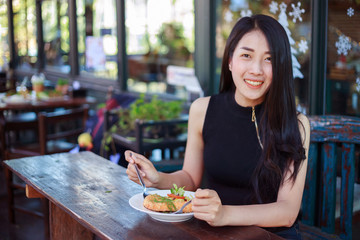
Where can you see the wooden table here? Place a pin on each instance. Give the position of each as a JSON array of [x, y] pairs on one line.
[[89, 198], [35, 106]]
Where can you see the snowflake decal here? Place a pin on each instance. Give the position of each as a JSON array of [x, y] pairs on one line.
[[303, 47], [358, 84], [297, 11], [228, 16], [343, 45], [350, 12], [246, 13], [274, 7], [283, 6]]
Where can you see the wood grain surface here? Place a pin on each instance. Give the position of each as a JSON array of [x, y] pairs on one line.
[[95, 192]]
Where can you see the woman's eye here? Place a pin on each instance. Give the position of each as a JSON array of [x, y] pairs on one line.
[[246, 55], [268, 59]]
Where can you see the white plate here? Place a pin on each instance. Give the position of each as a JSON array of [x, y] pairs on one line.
[[137, 200]]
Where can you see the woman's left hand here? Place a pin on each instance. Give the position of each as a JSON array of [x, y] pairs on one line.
[[207, 206]]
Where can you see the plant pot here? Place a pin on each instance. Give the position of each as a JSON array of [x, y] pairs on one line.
[[62, 88], [38, 87]]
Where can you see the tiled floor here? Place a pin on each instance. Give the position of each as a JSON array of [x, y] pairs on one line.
[[31, 228]]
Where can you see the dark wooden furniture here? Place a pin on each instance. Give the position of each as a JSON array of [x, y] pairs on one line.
[[23, 116], [89, 196], [37, 106], [57, 132], [3, 82], [331, 136], [167, 141]]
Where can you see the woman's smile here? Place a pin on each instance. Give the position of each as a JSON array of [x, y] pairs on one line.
[[254, 83]]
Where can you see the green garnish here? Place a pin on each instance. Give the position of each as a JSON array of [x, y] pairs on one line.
[[177, 191], [168, 201]]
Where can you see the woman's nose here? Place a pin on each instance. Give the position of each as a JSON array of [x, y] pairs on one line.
[[256, 68]]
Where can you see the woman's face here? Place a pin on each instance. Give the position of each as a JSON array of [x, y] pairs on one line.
[[251, 69]]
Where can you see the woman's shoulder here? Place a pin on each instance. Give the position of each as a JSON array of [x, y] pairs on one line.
[[199, 106], [304, 120], [304, 126]]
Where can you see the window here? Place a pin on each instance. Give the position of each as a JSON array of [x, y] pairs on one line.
[[343, 58], [25, 33], [97, 38], [159, 34], [56, 35], [295, 17], [4, 45]]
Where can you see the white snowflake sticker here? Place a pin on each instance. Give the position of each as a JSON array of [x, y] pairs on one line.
[[283, 6], [358, 84], [274, 7], [246, 13], [297, 11], [303, 47], [350, 12], [343, 45], [228, 16]]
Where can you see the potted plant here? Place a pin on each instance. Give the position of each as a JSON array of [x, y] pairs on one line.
[[62, 85], [142, 110], [37, 82]]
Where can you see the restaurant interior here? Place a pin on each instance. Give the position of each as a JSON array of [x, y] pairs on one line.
[[109, 75]]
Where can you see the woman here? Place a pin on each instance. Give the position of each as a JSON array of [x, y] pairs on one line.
[[248, 142]]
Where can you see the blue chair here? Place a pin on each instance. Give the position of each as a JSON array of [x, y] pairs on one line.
[[331, 136]]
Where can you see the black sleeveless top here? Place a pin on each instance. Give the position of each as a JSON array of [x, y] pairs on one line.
[[232, 152], [231, 149]]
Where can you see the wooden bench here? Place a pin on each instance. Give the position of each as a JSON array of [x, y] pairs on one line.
[[331, 136]]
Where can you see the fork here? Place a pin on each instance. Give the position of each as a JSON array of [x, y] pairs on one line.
[[145, 193], [182, 208]]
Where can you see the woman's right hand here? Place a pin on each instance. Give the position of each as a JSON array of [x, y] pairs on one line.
[[147, 170]]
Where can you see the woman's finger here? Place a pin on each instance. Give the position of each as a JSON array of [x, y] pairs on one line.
[[204, 193], [130, 171], [129, 156]]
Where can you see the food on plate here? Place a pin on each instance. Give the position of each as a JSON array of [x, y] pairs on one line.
[[17, 98], [170, 203]]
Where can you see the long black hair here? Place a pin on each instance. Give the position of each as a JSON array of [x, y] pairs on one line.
[[279, 126]]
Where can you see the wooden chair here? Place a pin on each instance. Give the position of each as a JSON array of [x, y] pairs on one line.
[[331, 136], [168, 144], [57, 132], [13, 129]]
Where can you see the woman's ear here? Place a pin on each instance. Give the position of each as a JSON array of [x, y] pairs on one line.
[[230, 65]]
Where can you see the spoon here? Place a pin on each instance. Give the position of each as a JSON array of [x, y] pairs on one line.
[[145, 193]]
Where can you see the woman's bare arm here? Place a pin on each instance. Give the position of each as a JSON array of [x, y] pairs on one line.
[[191, 174]]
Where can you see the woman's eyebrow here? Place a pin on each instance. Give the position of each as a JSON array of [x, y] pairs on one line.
[[252, 50], [248, 49]]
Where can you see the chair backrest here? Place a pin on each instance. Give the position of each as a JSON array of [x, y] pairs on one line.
[[61, 125], [331, 135], [13, 128], [166, 131]]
